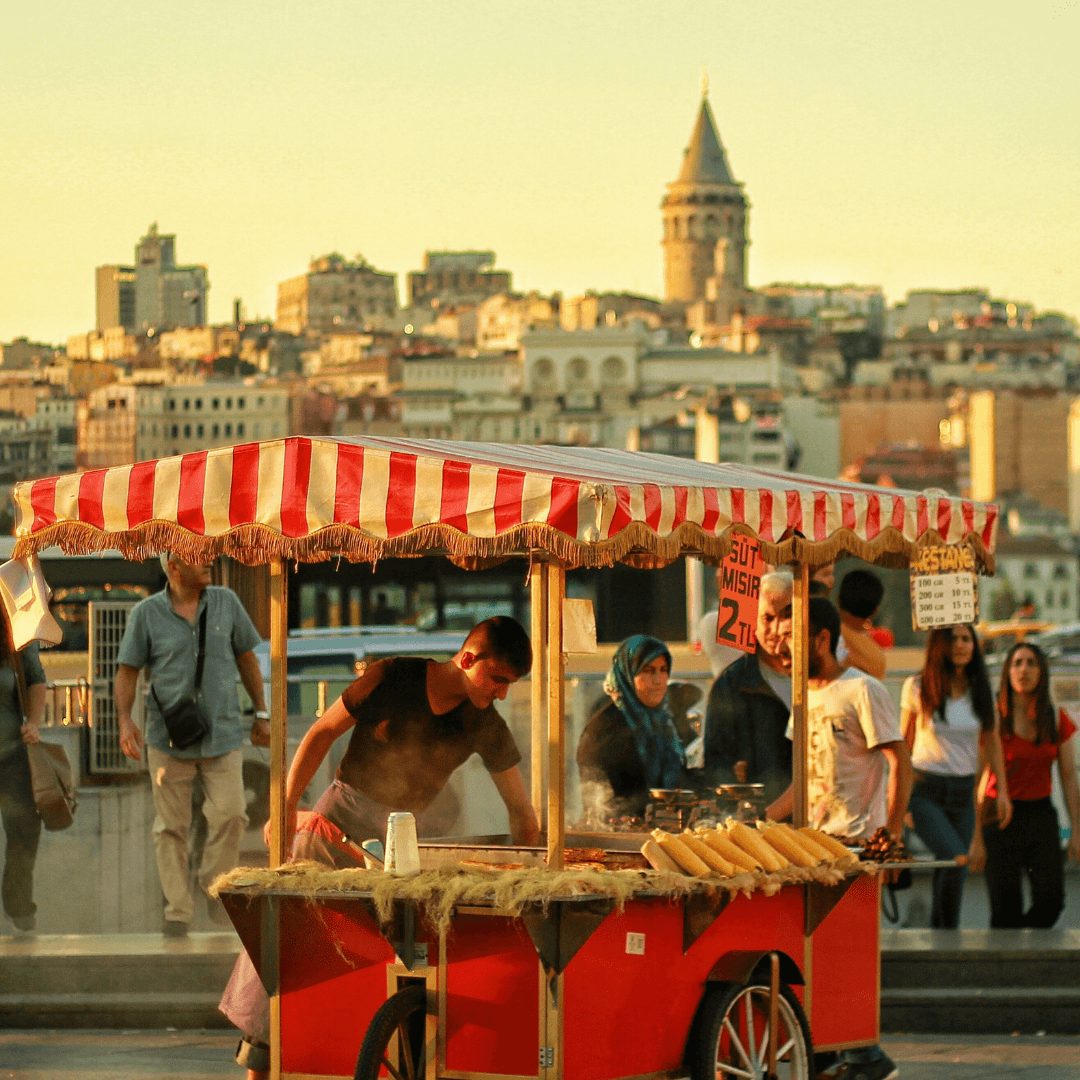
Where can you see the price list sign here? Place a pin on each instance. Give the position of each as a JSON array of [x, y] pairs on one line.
[[740, 586], [943, 587]]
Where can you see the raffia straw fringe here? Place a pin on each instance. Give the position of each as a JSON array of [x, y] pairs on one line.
[[636, 545], [439, 892]]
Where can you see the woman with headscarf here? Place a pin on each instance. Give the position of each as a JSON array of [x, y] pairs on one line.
[[630, 744]]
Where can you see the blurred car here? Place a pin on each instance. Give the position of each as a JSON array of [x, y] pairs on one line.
[[1060, 643]]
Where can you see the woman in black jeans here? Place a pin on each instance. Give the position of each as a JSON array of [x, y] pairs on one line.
[[1033, 735], [948, 718]]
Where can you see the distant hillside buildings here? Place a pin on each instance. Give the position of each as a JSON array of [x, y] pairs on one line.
[[155, 292], [337, 295]]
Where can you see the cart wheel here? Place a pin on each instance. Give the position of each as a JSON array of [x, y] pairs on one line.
[[401, 1057], [731, 1035]]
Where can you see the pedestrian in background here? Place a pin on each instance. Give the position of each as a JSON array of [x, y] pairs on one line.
[[1033, 735], [22, 825], [949, 722], [630, 744], [860, 596], [748, 708], [166, 633]]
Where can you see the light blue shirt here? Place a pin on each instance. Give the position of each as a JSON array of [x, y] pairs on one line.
[[166, 643]]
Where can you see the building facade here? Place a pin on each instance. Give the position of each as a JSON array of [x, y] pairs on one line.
[[453, 278], [337, 296], [106, 424], [184, 417], [1019, 442], [155, 293]]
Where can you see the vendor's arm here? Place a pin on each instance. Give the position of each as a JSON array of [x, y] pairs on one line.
[[309, 756], [910, 710], [124, 693], [783, 808], [1067, 769], [316, 744], [900, 782], [524, 828]]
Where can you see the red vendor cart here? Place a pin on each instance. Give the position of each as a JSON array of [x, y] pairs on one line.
[[582, 984]]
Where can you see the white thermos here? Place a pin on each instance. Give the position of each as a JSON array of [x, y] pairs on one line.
[[402, 852]]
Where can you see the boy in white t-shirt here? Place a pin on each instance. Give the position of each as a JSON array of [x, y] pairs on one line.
[[858, 770]]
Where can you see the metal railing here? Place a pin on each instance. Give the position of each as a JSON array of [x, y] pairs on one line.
[[67, 703]]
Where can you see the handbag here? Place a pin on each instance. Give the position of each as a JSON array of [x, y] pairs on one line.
[[51, 778], [53, 784], [186, 721]]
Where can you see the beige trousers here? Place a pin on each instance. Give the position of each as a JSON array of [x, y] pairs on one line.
[[224, 808]]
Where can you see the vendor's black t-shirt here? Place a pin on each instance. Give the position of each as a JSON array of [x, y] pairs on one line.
[[401, 754]]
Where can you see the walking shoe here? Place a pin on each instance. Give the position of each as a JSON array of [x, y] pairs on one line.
[[25, 924], [882, 1069], [174, 928]]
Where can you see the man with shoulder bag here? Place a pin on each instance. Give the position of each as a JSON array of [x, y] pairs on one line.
[[194, 639]]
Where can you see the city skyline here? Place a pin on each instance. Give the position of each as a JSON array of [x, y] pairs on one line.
[[909, 147]]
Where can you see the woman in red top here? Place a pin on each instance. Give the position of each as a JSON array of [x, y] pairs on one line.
[[1033, 734]]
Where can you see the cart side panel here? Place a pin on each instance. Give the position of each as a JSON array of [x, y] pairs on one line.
[[333, 978], [628, 1014], [846, 972], [490, 1004]]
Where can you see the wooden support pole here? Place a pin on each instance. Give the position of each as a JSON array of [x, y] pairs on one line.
[[800, 644], [538, 585], [278, 709], [278, 766], [556, 717]]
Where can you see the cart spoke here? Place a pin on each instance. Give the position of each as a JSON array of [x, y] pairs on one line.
[[737, 1043], [763, 1050], [748, 1008], [406, 1049], [724, 1069], [390, 1068], [783, 1051]]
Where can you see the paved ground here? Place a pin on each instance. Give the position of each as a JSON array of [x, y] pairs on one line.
[[188, 1055]]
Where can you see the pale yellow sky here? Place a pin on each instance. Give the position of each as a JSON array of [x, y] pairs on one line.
[[909, 144]]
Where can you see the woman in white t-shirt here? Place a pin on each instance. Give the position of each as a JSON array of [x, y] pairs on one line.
[[950, 725]]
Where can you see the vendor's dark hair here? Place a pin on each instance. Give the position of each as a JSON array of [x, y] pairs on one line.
[[503, 639], [1043, 713], [824, 616], [938, 670], [860, 593]]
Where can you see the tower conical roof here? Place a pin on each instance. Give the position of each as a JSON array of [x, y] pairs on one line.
[[704, 160]]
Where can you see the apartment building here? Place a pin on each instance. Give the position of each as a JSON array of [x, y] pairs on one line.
[[185, 417]]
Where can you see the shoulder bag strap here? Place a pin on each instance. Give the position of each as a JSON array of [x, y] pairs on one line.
[[20, 684], [201, 659]]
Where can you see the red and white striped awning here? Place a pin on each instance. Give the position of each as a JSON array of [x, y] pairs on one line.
[[371, 498]]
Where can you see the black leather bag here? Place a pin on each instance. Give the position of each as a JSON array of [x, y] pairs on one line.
[[186, 721]]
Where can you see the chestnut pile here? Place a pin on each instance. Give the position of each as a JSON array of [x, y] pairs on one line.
[[881, 847]]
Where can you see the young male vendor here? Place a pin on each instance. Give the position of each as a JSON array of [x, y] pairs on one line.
[[413, 721], [858, 777]]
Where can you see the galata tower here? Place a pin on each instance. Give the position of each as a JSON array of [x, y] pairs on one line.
[[704, 220]]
